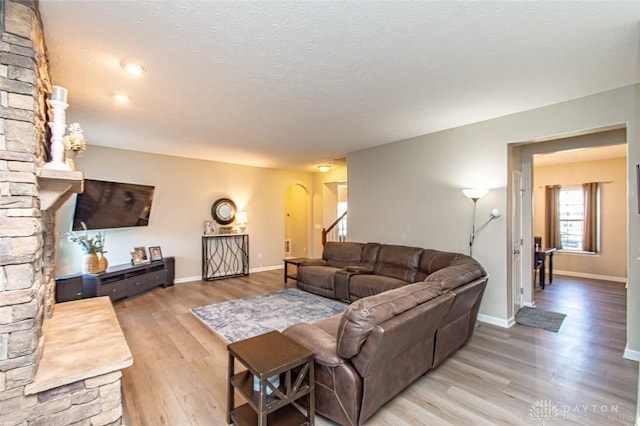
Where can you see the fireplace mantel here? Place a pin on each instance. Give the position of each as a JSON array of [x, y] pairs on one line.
[[56, 186], [82, 339]]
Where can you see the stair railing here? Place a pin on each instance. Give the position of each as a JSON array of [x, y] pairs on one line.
[[337, 231]]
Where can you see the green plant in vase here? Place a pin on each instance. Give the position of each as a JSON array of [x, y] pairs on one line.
[[94, 260]]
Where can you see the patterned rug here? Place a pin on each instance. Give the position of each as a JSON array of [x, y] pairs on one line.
[[539, 318], [243, 318]]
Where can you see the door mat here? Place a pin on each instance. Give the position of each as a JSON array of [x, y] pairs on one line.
[[243, 318], [538, 318]]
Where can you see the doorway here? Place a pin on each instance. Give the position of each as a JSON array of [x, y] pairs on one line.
[[522, 159], [296, 221]]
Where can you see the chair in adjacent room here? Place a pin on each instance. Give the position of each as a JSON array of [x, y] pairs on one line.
[[538, 259]]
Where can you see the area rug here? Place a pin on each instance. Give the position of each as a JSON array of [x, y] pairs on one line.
[[243, 318], [539, 318]]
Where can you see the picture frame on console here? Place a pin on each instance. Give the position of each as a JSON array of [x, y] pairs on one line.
[[209, 227], [139, 255], [155, 253]]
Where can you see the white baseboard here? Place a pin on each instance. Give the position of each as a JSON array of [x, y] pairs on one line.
[[631, 354], [266, 268], [199, 277], [590, 276], [187, 279], [496, 321]]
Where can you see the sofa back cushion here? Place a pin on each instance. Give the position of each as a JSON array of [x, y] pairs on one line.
[[365, 314], [341, 254], [449, 270], [370, 255], [434, 260], [399, 262], [456, 275]]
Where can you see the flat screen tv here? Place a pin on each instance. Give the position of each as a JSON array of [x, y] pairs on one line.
[[106, 205]]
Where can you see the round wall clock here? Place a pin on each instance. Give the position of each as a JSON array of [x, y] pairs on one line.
[[223, 211]]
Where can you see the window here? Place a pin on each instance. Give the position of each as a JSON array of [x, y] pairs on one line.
[[578, 218], [571, 215]]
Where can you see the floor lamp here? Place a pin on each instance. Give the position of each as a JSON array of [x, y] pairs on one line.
[[475, 194]]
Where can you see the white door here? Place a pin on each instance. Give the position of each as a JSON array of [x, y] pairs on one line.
[[516, 246]]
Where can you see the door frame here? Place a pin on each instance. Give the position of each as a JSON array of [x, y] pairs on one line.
[[520, 157]]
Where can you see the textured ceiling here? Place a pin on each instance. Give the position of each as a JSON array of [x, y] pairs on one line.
[[291, 84]]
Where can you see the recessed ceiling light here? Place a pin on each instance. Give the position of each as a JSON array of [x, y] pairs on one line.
[[121, 98], [132, 68]]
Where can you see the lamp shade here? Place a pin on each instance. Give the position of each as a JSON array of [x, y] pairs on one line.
[[242, 218], [475, 193]]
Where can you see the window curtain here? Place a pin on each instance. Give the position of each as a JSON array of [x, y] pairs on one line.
[[552, 220], [590, 191]]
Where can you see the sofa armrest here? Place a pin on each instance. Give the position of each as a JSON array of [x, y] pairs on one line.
[[314, 262], [317, 340]]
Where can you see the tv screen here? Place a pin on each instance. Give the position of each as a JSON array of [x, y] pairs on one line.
[[105, 205]]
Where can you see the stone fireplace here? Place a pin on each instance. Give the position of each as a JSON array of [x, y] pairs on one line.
[[31, 392]]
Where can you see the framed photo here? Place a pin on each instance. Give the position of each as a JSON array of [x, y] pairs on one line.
[[209, 227], [139, 255], [155, 253], [136, 259]]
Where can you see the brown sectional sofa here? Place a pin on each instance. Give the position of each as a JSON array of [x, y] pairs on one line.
[[410, 309]]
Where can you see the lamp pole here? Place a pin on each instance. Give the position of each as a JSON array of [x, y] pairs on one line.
[[473, 226]]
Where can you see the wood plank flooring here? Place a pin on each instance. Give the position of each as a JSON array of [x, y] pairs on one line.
[[513, 376]]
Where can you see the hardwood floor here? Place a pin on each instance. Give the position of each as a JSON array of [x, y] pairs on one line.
[[513, 376]]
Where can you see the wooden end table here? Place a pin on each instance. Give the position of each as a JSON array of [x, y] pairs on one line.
[[264, 356], [292, 261]]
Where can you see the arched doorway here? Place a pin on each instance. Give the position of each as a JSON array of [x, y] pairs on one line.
[[296, 221]]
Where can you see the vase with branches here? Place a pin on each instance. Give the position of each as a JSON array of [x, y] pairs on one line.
[[93, 248]]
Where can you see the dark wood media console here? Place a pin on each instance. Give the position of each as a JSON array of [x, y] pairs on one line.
[[118, 282]]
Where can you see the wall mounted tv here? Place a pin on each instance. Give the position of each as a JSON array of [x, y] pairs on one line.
[[105, 205]]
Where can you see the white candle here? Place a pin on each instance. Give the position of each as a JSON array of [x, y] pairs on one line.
[[59, 94]]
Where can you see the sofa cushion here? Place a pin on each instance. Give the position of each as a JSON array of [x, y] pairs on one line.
[[341, 254], [434, 260], [457, 275], [399, 262], [368, 285], [317, 276], [365, 314], [370, 255]]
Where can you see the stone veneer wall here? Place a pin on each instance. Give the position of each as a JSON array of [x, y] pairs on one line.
[[27, 240]]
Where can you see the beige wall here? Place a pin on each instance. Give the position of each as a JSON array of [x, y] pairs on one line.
[[185, 189], [611, 262], [297, 220], [418, 200]]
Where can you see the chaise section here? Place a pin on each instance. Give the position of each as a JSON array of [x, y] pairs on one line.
[[338, 387], [465, 279], [317, 275], [317, 280], [369, 354]]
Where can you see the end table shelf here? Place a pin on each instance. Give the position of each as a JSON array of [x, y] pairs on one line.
[[264, 356]]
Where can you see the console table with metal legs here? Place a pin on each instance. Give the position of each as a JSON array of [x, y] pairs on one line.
[[224, 256]]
